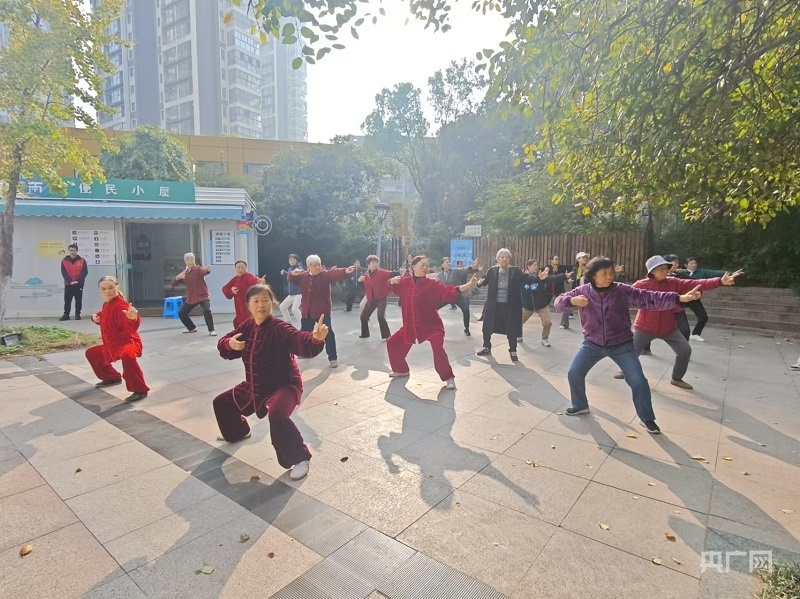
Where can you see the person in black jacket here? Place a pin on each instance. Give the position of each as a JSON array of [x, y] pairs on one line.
[[73, 271], [555, 287], [536, 299], [354, 287], [503, 310]]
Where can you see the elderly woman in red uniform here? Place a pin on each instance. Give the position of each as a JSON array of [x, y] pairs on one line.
[[273, 386], [421, 297], [236, 289], [118, 322], [375, 294]]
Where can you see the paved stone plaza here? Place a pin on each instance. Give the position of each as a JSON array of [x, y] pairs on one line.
[[414, 491]]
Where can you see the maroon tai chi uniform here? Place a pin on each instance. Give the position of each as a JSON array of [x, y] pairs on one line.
[[273, 385], [420, 298]]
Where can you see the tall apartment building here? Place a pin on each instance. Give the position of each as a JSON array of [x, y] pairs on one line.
[[190, 72]]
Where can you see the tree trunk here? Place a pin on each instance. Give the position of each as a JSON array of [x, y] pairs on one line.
[[7, 245]]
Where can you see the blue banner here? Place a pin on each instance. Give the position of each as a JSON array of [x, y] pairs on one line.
[[461, 249]]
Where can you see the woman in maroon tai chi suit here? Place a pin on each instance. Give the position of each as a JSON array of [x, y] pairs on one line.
[[421, 297], [273, 386]]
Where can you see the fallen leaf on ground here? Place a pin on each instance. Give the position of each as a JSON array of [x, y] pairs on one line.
[[206, 569], [244, 537], [762, 445], [788, 511], [255, 477], [271, 554], [698, 458], [77, 470], [552, 447], [496, 544], [727, 458], [670, 536], [604, 526], [336, 403], [532, 464], [656, 560], [25, 550], [458, 503], [636, 497], [745, 474], [677, 561], [631, 436], [742, 347], [493, 438], [559, 413], [677, 511], [344, 459], [651, 484]]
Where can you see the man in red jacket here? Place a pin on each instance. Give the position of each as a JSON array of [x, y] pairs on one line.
[[652, 324], [376, 291], [315, 284], [74, 271]]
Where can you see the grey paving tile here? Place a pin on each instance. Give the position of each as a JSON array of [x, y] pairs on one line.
[[327, 531], [17, 475], [424, 578], [100, 468], [115, 510], [120, 588], [30, 514], [573, 566], [68, 562], [240, 569], [373, 556], [153, 540]]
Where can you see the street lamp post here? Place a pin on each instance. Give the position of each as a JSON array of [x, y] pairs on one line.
[[382, 208]]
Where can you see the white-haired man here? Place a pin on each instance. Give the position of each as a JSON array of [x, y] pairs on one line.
[[194, 277], [315, 284]]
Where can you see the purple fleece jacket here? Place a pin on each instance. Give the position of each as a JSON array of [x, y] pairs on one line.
[[606, 320]]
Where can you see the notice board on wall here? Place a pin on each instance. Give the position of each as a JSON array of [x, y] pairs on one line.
[[222, 246], [96, 246]]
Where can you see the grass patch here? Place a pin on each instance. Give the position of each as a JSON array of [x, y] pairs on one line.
[[782, 581], [45, 340]]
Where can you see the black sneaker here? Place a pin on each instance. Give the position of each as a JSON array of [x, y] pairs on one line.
[[651, 427], [485, 352], [467, 333], [108, 383], [77, 317], [576, 412], [136, 397], [514, 357], [63, 318]]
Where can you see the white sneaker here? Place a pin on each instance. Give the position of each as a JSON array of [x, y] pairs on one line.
[[545, 342], [299, 470], [212, 333], [398, 375], [561, 326], [697, 338], [795, 366], [451, 384], [334, 364]]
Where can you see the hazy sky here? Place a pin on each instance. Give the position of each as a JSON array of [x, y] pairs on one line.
[[343, 85]]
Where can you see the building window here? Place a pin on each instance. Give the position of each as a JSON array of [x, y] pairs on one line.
[[176, 12], [178, 90], [178, 31], [254, 170]]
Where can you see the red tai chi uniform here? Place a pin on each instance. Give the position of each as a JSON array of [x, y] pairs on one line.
[[120, 342], [243, 283], [273, 386], [420, 299]]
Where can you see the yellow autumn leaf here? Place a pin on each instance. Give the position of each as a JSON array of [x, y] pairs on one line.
[[677, 561], [604, 526], [656, 560], [670, 536], [698, 457], [727, 458], [668, 67], [255, 477], [227, 18], [788, 511], [25, 550]]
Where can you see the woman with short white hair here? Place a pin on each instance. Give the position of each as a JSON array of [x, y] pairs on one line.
[[503, 310], [194, 277]]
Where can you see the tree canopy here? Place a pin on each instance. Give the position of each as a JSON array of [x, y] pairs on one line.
[[645, 102], [148, 154], [54, 56]]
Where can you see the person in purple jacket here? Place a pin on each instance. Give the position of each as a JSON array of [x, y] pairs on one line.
[[604, 307]]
